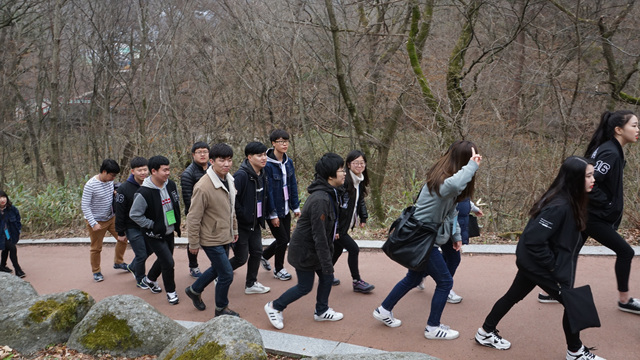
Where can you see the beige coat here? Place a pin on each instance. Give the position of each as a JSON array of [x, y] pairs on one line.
[[212, 217]]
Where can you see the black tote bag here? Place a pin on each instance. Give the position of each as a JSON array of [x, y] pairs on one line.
[[410, 242], [580, 307], [474, 229]]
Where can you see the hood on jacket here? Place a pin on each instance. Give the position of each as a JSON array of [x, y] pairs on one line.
[[320, 184], [246, 166], [132, 180], [148, 183], [271, 157]]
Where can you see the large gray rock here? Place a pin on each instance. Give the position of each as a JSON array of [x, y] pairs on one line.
[[385, 356], [124, 325], [223, 337], [31, 324], [14, 289]]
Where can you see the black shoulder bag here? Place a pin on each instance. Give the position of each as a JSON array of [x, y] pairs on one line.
[[410, 241]]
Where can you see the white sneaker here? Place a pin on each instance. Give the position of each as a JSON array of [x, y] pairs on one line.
[[388, 320], [275, 316], [491, 339], [329, 315], [583, 354], [453, 298], [257, 288], [173, 298], [442, 332], [282, 275]]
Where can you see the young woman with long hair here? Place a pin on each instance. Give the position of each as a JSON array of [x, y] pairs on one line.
[[352, 208], [10, 228], [547, 252], [450, 180], [616, 129]]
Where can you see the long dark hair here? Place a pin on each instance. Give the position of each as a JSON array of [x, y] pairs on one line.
[[569, 182], [457, 156], [4, 194], [609, 121], [352, 155]]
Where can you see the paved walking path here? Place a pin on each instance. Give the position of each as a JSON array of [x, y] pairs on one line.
[[485, 273]]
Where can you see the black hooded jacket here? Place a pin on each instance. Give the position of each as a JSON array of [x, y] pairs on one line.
[[252, 190], [311, 246], [549, 245], [606, 200]]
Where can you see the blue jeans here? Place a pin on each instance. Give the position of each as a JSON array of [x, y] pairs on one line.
[[221, 269], [451, 257], [304, 286], [141, 251], [437, 269]]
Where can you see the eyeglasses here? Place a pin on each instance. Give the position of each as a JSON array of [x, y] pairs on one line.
[[358, 163], [282, 142], [201, 152], [342, 170]]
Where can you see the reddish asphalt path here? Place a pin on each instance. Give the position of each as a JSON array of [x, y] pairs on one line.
[[534, 329]]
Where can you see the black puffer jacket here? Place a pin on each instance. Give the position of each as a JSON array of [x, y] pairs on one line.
[[311, 246], [189, 178], [549, 245], [606, 200]]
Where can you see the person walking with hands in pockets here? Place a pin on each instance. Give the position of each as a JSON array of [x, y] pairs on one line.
[[450, 179]]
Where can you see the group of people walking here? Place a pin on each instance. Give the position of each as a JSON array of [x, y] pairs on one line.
[[224, 213], [227, 212]]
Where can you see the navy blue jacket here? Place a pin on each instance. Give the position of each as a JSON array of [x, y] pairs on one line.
[[276, 184], [10, 218], [123, 201]]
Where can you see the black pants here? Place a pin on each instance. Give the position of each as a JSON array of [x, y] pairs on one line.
[[279, 247], [163, 248], [521, 287], [193, 259], [248, 249], [10, 251], [345, 241], [607, 235]]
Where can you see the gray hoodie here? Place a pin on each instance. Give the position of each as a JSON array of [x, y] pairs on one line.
[[139, 207]]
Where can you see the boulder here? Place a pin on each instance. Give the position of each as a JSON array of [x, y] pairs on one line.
[[384, 356], [124, 326], [14, 289], [32, 324], [223, 337]]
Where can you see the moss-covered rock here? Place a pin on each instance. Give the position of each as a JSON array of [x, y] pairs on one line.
[[33, 323], [223, 337], [124, 325]]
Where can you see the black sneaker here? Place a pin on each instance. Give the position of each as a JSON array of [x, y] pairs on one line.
[[20, 273], [226, 311], [151, 285], [121, 266], [633, 306], [97, 277], [5, 269], [546, 299], [335, 282], [195, 298]]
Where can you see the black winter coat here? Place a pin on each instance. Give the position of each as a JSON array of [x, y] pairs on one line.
[[247, 197], [549, 245], [311, 245], [189, 178], [606, 200]]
